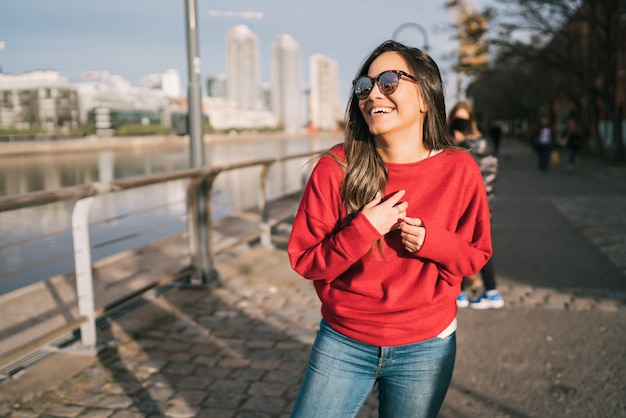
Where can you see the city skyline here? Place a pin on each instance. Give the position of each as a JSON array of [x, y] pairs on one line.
[[135, 39], [286, 97]]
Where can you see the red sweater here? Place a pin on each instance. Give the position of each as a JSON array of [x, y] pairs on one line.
[[392, 297]]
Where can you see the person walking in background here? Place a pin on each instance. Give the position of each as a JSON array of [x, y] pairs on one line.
[[573, 141], [464, 130], [388, 224], [495, 131], [543, 144]]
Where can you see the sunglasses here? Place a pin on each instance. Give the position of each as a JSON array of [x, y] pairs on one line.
[[387, 83]]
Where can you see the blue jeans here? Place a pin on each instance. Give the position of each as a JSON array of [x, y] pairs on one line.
[[571, 155], [412, 379]]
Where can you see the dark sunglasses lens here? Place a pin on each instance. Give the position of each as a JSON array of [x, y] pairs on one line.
[[363, 87], [388, 82]]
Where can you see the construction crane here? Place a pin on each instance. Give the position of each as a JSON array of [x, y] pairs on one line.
[[470, 26]]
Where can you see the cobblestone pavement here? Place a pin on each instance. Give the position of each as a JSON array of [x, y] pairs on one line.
[[239, 350], [236, 351]]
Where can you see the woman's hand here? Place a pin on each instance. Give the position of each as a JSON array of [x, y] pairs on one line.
[[385, 216], [413, 234]]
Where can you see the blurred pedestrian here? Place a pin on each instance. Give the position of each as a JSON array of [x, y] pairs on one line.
[[495, 132], [543, 144], [465, 132], [389, 223], [573, 141]]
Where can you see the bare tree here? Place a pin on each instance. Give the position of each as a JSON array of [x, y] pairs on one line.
[[571, 49]]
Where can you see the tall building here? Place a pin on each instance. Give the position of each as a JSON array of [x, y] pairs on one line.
[[242, 67], [286, 89], [324, 109]]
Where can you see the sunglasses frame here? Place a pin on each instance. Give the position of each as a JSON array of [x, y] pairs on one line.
[[376, 81]]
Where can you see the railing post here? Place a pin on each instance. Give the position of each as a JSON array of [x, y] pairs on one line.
[[84, 276], [199, 227], [266, 230]]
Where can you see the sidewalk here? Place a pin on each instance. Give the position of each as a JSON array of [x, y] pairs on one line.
[[556, 349]]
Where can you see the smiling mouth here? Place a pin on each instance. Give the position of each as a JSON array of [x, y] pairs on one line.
[[380, 111]]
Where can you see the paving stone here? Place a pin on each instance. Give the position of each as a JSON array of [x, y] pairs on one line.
[[87, 399], [97, 413], [266, 389], [230, 363], [253, 414], [152, 365], [228, 386], [160, 393], [188, 397], [224, 400], [22, 414], [195, 382], [536, 299], [149, 407], [609, 305], [181, 411], [216, 413], [216, 373], [123, 388], [246, 375], [271, 405], [66, 411], [583, 304], [265, 364], [257, 343], [127, 414], [147, 343], [179, 368], [114, 402]]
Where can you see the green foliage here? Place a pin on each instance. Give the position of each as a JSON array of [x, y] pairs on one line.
[[262, 129], [12, 132], [138, 129], [30, 134]]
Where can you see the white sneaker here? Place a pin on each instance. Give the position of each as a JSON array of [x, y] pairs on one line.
[[491, 299], [462, 301]]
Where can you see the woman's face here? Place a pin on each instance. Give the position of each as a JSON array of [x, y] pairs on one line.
[[402, 111], [461, 114]]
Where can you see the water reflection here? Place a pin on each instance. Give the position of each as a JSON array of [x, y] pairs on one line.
[[130, 218]]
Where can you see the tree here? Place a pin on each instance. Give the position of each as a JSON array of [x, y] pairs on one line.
[[568, 49]]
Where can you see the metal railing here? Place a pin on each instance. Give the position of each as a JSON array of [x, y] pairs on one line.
[[199, 227]]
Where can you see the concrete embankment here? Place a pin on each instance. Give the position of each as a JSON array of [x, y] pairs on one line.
[[94, 143]]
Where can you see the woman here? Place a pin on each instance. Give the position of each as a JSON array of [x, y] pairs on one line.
[[389, 223], [465, 132]]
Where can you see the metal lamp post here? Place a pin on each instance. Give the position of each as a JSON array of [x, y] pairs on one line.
[[417, 26], [198, 204]]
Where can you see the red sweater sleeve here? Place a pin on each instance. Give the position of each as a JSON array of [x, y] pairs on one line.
[[316, 250]]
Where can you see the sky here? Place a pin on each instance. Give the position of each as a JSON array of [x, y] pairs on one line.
[[133, 38]]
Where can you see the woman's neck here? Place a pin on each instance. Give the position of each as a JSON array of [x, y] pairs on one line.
[[402, 152]]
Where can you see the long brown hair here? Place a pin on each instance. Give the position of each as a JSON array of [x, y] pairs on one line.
[[366, 173]]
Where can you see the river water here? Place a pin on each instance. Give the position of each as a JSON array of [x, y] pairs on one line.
[[36, 242]]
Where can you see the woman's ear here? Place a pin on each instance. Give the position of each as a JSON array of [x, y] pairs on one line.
[[423, 105]]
